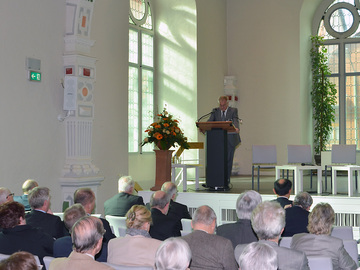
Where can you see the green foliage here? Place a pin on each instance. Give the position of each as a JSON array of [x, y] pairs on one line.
[[323, 94]]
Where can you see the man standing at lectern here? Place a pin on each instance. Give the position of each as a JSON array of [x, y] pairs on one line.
[[226, 113]]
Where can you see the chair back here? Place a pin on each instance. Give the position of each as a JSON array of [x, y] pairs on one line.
[[4, 256], [299, 154], [126, 267], [118, 225], [351, 248], [320, 263], [343, 153], [264, 154], [285, 242], [47, 260], [59, 214], [186, 226], [343, 232]]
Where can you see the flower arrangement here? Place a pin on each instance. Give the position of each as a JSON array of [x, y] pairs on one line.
[[165, 133]]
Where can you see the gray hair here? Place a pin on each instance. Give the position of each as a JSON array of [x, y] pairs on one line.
[[204, 214], [38, 196], [173, 253], [86, 233], [4, 193], [258, 256], [125, 183], [159, 201], [170, 188], [268, 219], [303, 199], [73, 214], [246, 203]]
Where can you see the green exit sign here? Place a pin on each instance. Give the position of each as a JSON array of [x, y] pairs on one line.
[[34, 76]]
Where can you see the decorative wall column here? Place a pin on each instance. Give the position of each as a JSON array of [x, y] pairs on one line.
[[79, 81]]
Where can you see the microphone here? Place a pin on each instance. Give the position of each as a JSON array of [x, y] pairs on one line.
[[215, 109]]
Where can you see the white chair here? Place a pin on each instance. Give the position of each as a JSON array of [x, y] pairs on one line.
[[117, 224], [299, 160], [351, 248], [3, 256], [47, 260], [319, 263], [343, 232], [263, 156], [186, 225], [285, 242], [126, 267], [59, 214]]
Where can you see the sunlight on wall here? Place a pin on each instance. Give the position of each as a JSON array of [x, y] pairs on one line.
[[166, 33]]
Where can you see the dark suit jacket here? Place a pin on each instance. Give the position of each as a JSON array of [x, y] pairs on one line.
[[163, 226], [23, 199], [231, 115], [48, 223], [108, 234], [210, 251], [63, 248], [121, 203], [26, 238], [178, 211], [239, 232], [283, 201], [296, 221]]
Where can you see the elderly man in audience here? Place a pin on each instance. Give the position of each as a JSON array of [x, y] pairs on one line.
[[137, 248], [86, 197], [268, 222], [27, 186], [18, 236], [122, 202], [209, 251], [319, 242], [296, 217], [241, 231], [258, 256], [87, 235], [6, 195], [21, 260], [163, 226], [39, 199], [176, 210], [282, 189], [173, 253]]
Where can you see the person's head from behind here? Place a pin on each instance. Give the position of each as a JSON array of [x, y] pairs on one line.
[[321, 219], [126, 184], [204, 218], [28, 185], [21, 260], [11, 215], [87, 234], [258, 256], [282, 187], [86, 197], [173, 254], [170, 188], [39, 198], [138, 217], [268, 220], [160, 200], [304, 200], [246, 203], [6, 195], [73, 214]]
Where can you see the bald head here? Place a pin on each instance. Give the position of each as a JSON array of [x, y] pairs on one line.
[[204, 218], [170, 188], [29, 185], [6, 195], [160, 200]]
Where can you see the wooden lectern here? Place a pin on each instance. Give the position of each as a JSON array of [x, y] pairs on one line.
[[216, 152]]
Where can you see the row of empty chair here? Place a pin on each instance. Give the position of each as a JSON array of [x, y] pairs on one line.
[[300, 159]]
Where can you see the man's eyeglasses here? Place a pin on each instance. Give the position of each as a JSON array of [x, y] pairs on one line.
[[11, 194]]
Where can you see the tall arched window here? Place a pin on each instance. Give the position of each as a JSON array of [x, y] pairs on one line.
[[338, 22], [141, 73]]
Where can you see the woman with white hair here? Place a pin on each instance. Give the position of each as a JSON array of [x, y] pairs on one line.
[[173, 254]]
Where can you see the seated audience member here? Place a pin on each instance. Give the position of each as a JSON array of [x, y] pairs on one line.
[[282, 189], [21, 260], [18, 236], [209, 251], [87, 235], [39, 199], [173, 253], [296, 217], [86, 197], [268, 222], [258, 256], [162, 226], [63, 246], [27, 186], [137, 248], [6, 195], [176, 210], [241, 231], [122, 202], [319, 242]]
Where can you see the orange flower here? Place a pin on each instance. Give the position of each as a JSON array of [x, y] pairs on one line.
[[166, 124], [165, 118], [159, 136], [157, 126], [176, 121]]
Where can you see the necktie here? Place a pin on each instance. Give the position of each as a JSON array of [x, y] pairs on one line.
[[223, 116]]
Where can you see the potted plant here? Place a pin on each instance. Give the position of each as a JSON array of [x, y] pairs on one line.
[[323, 95]]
